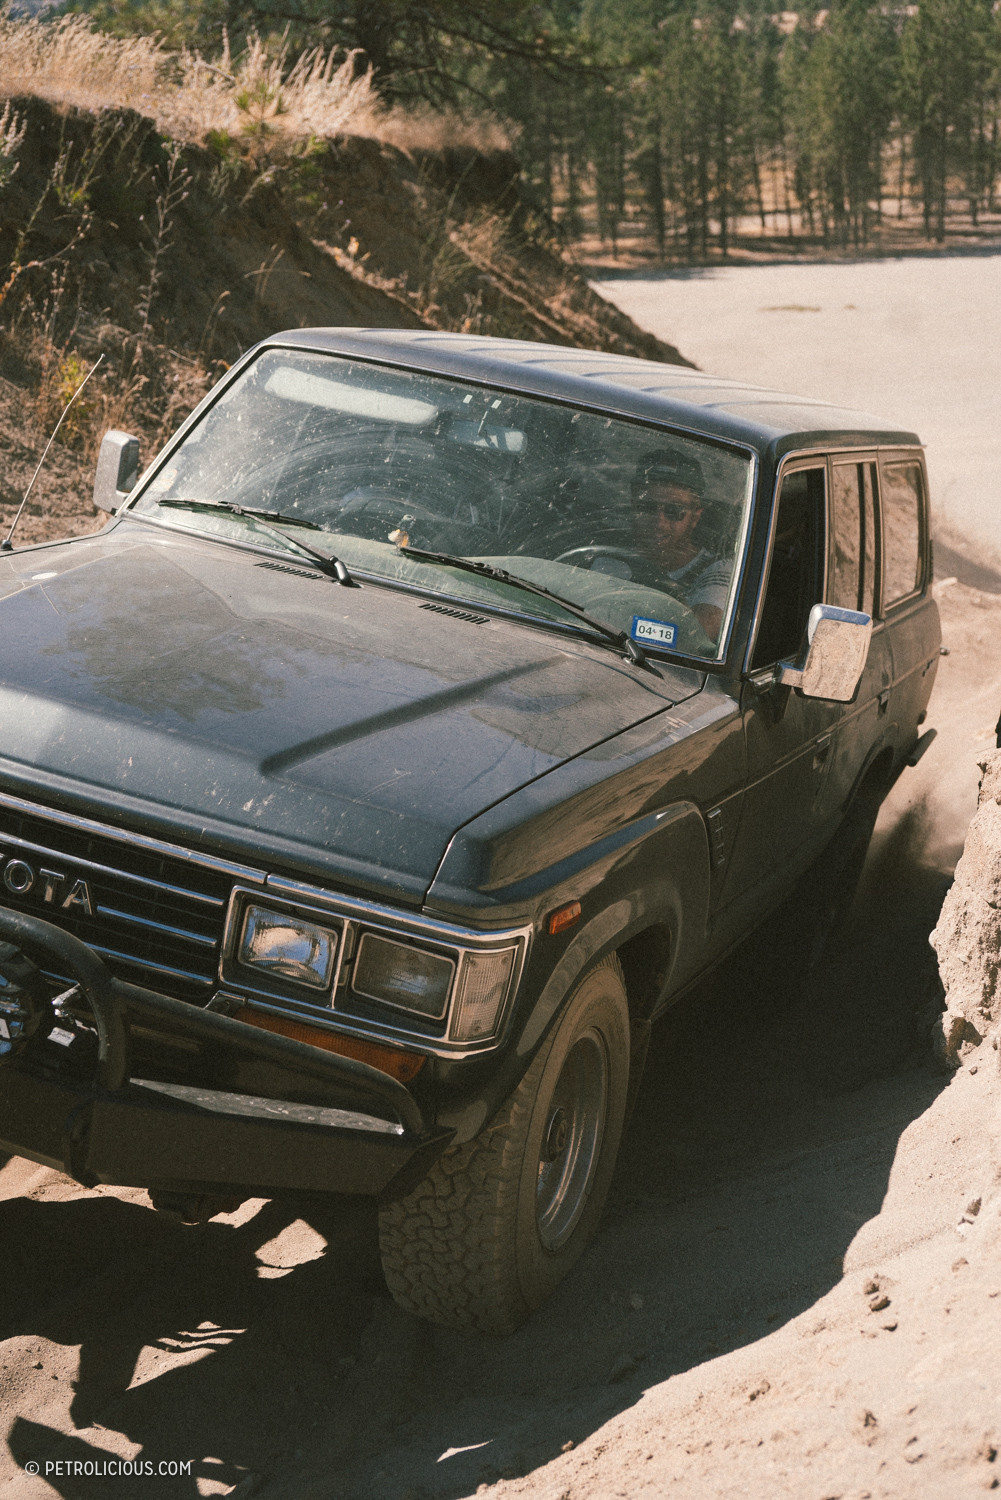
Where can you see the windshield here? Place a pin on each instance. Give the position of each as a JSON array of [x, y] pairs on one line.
[[640, 526]]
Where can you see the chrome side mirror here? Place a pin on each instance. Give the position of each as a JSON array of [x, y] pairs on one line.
[[117, 470], [831, 667]]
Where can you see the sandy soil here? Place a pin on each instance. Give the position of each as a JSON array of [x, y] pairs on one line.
[[916, 339]]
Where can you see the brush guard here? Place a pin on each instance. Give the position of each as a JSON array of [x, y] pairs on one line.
[[158, 1094]]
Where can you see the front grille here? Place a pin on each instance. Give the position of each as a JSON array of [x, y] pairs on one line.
[[154, 913]]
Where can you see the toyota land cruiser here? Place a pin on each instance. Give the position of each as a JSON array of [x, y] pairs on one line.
[[432, 713]]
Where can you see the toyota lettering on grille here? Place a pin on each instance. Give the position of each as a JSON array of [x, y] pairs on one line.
[[50, 886]]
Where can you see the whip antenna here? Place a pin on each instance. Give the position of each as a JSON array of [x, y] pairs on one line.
[[5, 545]]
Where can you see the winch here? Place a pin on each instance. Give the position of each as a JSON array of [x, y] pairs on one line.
[[24, 1005]]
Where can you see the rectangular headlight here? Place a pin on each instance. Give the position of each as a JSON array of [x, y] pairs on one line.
[[286, 947], [397, 974], [483, 989]]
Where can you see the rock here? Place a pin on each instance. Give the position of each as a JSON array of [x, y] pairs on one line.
[[967, 937], [870, 1428], [950, 1034]]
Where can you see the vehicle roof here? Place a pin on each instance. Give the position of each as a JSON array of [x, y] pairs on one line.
[[685, 397]]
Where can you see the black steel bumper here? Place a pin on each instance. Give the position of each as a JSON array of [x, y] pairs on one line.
[[186, 1100]]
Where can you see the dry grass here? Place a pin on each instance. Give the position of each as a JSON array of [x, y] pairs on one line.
[[421, 129], [262, 95], [258, 95]]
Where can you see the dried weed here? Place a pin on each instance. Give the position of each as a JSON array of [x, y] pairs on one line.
[[260, 95]]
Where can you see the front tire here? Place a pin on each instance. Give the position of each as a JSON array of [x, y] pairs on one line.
[[498, 1222]]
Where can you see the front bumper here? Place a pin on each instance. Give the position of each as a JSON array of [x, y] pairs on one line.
[[186, 1100]]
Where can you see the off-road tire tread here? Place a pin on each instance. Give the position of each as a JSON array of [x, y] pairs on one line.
[[442, 1255]]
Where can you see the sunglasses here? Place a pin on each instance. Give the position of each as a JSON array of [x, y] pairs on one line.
[[671, 510]]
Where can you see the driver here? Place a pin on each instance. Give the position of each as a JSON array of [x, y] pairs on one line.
[[667, 507]]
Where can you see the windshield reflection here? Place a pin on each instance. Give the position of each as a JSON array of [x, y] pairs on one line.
[[641, 527]]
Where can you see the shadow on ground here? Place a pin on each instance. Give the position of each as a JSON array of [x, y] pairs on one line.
[[762, 1141]]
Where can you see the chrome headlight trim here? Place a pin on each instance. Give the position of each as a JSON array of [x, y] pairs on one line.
[[355, 918], [265, 927], [255, 979]]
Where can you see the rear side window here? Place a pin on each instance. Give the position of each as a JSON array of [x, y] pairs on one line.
[[853, 540], [869, 492], [901, 497]]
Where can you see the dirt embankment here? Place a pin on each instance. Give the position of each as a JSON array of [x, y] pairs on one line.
[[968, 936], [172, 260]]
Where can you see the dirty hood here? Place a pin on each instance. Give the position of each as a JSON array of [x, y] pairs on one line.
[[188, 688]]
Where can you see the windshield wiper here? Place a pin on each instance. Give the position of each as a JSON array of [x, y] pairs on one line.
[[617, 638], [232, 509], [329, 564]]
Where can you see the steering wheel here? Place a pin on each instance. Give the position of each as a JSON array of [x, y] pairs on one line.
[[588, 556]]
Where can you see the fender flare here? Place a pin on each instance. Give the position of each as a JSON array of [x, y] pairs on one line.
[[676, 903]]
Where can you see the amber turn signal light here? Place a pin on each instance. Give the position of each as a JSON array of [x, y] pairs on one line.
[[403, 1066], [563, 917]]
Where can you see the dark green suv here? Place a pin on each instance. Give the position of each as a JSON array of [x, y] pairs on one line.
[[431, 713]]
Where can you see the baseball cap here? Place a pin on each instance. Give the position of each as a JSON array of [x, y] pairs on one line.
[[668, 466]]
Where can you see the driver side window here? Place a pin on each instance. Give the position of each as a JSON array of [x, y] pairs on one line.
[[796, 574]]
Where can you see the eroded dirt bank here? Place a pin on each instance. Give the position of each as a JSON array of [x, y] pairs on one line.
[[789, 1151]]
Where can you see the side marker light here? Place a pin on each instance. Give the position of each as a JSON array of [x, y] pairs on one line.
[[563, 917]]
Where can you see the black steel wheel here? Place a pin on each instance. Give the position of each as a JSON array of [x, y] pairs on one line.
[[498, 1222], [572, 1140]]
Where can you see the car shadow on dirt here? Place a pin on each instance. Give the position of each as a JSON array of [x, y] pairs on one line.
[[762, 1141]]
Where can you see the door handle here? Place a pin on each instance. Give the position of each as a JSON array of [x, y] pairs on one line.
[[821, 750], [883, 699]]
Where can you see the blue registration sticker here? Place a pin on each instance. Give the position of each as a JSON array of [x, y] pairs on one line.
[[653, 632]]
